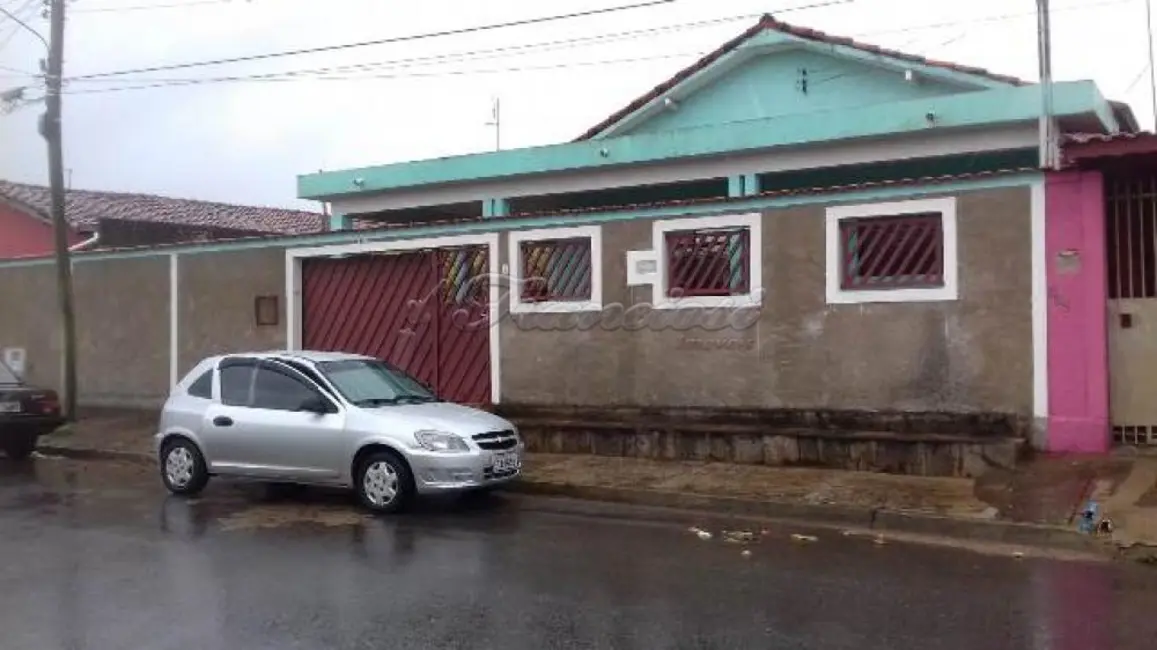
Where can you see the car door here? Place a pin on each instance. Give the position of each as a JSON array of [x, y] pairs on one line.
[[230, 435], [299, 442]]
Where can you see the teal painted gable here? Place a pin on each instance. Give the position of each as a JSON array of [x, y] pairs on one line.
[[790, 82]]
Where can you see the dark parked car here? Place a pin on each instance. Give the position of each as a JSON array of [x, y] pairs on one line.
[[26, 413]]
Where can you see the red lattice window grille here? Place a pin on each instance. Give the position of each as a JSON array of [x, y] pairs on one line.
[[899, 252], [556, 270], [708, 262]]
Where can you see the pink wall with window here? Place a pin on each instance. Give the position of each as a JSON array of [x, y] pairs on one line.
[[1078, 360]]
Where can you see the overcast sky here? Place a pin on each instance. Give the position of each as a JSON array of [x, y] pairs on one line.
[[245, 141]]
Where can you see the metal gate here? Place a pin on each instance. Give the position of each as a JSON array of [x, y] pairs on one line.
[[1131, 243], [426, 312]]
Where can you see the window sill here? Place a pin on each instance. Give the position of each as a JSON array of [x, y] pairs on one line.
[[861, 296], [554, 307], [743, 301]]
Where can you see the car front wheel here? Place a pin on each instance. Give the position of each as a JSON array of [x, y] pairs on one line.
[[384, 482], [183, 468]]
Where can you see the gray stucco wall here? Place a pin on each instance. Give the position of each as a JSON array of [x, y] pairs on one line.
[[973, 354]]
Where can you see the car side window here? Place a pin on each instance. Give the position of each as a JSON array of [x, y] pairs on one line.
[[203, 387], [275, 390], [236, 380]]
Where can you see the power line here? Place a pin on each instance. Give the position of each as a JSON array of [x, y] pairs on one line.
[[23, 24], [382, 41], [451, 57], [364, 77], [992, 18], [171, 5], [25, 11]]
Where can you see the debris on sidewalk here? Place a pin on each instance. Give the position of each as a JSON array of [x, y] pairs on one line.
[[796, 537], [879, 540], [738, 536], [702, 534], [746, 553]]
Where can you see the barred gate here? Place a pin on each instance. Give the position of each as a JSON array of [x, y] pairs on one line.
[[426, 312], [1131, 243]]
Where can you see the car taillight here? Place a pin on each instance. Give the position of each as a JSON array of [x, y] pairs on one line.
[[47, 404]]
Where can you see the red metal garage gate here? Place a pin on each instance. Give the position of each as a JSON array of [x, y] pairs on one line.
[[426, 312]]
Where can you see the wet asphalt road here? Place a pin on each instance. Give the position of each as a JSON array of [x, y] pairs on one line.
[[96, 557]]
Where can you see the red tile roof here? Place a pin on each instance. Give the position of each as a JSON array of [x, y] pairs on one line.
[[85, 209], [768, 22]]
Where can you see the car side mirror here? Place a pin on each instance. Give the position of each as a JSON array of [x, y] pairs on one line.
[[316, 404]]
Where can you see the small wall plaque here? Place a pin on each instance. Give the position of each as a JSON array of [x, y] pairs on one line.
[[1069, 261], [642, 267], [266, 311]]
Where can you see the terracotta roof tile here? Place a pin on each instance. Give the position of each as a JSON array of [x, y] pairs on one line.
[[768, 22], [85, 208]]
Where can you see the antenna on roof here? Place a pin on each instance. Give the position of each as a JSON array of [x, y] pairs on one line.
[[496, 122]]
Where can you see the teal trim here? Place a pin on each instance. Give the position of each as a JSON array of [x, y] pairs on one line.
[[341, 222], [751, 185], [495, 208], [973, 109], [735, 185], [768, 203], [959, 77]]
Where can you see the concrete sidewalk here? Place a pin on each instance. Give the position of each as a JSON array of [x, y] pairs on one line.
[[1039, 503]]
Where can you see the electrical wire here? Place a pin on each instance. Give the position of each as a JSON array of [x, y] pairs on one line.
[[171, 5], [382, 41], [24, 25], [25, 13], [451, 57], [409, 75]]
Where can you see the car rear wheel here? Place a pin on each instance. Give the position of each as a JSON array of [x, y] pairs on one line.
[[183, 468], [384, 482], [19, 447]]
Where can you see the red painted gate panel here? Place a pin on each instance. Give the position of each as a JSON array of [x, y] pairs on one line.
[[426, 312]]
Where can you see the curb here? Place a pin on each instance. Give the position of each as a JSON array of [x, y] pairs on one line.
[[82, 453], [877, 519]]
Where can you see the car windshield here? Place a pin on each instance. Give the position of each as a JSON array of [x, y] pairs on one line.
[[6, 375], [369, 382]]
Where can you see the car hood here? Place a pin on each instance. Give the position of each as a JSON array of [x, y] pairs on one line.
[[443, 416]]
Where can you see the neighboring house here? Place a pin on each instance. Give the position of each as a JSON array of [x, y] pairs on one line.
[[118, 219], [797, 229], [1102, 291]]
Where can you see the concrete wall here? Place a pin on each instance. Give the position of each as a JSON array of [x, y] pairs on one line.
[[123, 324], [217, 293], [973, 354]]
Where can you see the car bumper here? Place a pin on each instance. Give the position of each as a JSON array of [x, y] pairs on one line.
[[30, 426], [441, 473]]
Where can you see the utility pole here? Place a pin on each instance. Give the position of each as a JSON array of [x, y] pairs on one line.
[[1048, 140], [53, 133], [1152, 72]]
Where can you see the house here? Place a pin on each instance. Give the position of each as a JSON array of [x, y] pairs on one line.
[[1102, 291], [117, 220], [800, 249]]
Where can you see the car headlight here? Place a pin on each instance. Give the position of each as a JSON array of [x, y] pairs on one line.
[[441, 441]]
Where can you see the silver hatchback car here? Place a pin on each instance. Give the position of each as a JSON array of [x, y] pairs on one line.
[[323, 418]]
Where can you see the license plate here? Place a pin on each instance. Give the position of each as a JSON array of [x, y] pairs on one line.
[[10, 407], [506, 462]]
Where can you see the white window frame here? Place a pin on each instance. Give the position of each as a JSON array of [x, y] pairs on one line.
[[753, 221], [515, 241], [944, 206]]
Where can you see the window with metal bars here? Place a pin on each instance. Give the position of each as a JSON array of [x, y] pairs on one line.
[[900, 252], [556, 270], [714, 262]]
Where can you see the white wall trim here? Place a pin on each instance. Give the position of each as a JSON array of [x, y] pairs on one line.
[[753, 221], [293, 257], [812, 156], [1040, 321], [174, 319], [946, 206], [515, 239]]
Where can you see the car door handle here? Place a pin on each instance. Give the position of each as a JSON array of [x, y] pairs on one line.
[[222, 421]]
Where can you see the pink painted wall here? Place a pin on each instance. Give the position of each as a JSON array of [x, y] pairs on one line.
[[1078, 358], [22, 235]]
